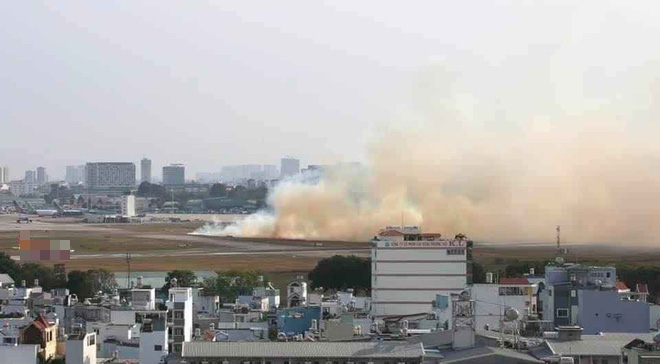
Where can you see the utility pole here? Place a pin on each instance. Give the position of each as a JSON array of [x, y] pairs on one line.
[[559, 252], [128, 277]]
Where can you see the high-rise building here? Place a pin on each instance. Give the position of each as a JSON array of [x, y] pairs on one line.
[[270, 171], [409, 268], [289, 167], [174, 175], [110, 176], [145, 170], [30, 177], [180, 304], [4, 174], [75, 174], [41, 175]]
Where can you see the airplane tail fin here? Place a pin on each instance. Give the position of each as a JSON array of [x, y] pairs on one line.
[[19, 209]]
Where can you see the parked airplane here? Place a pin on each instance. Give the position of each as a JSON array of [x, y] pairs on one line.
[[38, 212], [67, 212], [22, 216]]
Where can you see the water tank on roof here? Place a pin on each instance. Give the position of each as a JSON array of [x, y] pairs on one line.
[[511, 314]]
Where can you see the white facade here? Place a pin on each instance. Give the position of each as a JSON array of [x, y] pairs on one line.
[[654, 317], [153, 343], [493, 299], [409, 268], [81, 349], [296, 294], [180, 303], [4, 174], [270, 292], [128, 205], [143, 298], [19, 354]]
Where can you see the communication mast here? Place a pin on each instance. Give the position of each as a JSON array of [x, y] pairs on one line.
[[128, 277]]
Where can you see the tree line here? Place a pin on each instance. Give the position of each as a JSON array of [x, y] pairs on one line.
[[84, 284]]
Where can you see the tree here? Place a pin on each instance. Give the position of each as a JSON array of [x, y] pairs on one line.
[[184, 278], [218, 190], [233, 283], [80, 283], [518, 269], [102, 280], [478, 273], [341, 272], [9, 266], [47, 277]]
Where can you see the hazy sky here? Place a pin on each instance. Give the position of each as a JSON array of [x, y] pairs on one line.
[[212, 84]]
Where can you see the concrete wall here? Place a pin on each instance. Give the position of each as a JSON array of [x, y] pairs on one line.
[[654, 319], [490, 305], [20, 354], [603, 311], [148, 342]]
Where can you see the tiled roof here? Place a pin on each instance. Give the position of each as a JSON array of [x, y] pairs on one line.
[[390, 233], [301, 349], [621, 286], [485, 354], [514, 280], [41, 323]]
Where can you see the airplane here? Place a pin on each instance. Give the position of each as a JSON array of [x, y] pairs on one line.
[[39, 212], [67, 212], [22, 216], [44, 212]]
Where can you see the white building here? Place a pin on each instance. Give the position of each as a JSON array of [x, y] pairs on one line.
[[296, 295], [408, 269], [493, 299], [180, 315], [271, 292], [128, 205], [153, 341], [143, 298], [4, 174], [204, 302], [81, 348]]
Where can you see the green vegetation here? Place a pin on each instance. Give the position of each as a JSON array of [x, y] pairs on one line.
[[84, 284], [184, 278], [342, 272], [233, 283], [650, 275]]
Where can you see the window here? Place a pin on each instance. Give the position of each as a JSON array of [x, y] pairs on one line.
[[91, 340], [177, 348], [178, 314], [573, 293], [178, 332], [455, 251], [511, 291], [562, 313], [608, 276], [158, 347], [550, 292]]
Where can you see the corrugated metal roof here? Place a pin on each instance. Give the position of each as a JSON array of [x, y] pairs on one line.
[[302, 349], [479, 353], [608, 344]]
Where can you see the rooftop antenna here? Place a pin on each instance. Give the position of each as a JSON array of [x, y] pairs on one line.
[[128, 277]]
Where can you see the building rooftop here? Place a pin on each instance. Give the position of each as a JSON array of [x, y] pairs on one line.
[[607, 344], [6, 279], [481, 354], [514, 280], [301, 349]]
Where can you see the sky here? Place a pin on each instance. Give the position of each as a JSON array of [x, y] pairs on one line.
[[218, 83]]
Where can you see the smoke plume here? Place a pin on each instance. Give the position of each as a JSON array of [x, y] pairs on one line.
[[504, 163]]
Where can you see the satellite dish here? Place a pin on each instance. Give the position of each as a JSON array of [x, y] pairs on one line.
[[559, 260]]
